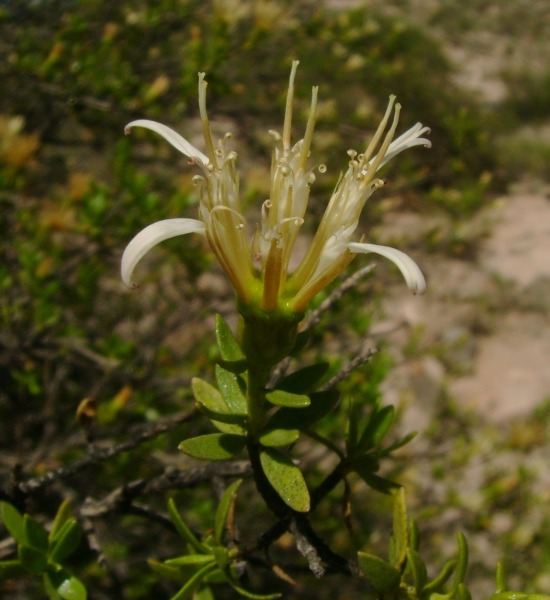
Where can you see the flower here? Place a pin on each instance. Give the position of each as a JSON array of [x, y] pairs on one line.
[[259, 269]]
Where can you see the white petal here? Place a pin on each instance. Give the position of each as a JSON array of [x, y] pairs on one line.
[[151, 236], [172, 137], [406, 140], [410, 270]]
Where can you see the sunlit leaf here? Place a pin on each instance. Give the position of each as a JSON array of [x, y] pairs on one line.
[[213, 446], [13, 521], [381, 575], [400, 535], [276, 438], [67, 540], [64, 512], [231, 391], [282, 398], [230, 351], [286, 478]]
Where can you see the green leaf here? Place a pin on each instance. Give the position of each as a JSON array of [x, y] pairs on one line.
[[500, 578], [282, 398], [35, 534], [303, 380], [67, 540], [381, 575], [418, 570], [400, 534], [230, 351], [186, 592], [399, 444], [231, 391], [64, 513], [167, 571], [276, 438], [13, 521], [182, 529], [289, 418], [376, 430], [72, 588], [208, 395], [190, 560], [213, 446], [66, 585], [352, 434], [32, 559], [462, 564], [50, 588], [364, 468], [232, 428], [246, 594], [286, 479], [226, 502], [10, 569], [211, 402], [437, 583]]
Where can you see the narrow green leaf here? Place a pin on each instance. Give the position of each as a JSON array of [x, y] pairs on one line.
[[67, 540], [213, 446], [182, 529], [35, 534], [400, 529], [13, 521], [32, 559], [246, 594], [500, 578], [224, 506], [227, 343], [303, 380], [275, 438], [381, 575], [462, 564], [282, 398], [186, 592], [418, 570], [172, 573], [10, 569], [64, 513], [231, 390], [190, 560], [285, 477], [380, 484], [232, 428], [399, 444], [376, 429], [437, 583], [290, 418]]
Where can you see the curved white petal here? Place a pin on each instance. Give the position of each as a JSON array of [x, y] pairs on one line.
[[151, 236], [172, 137], [410, 270]]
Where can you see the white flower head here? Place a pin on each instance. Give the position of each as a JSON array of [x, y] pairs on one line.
[[259, 268]]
